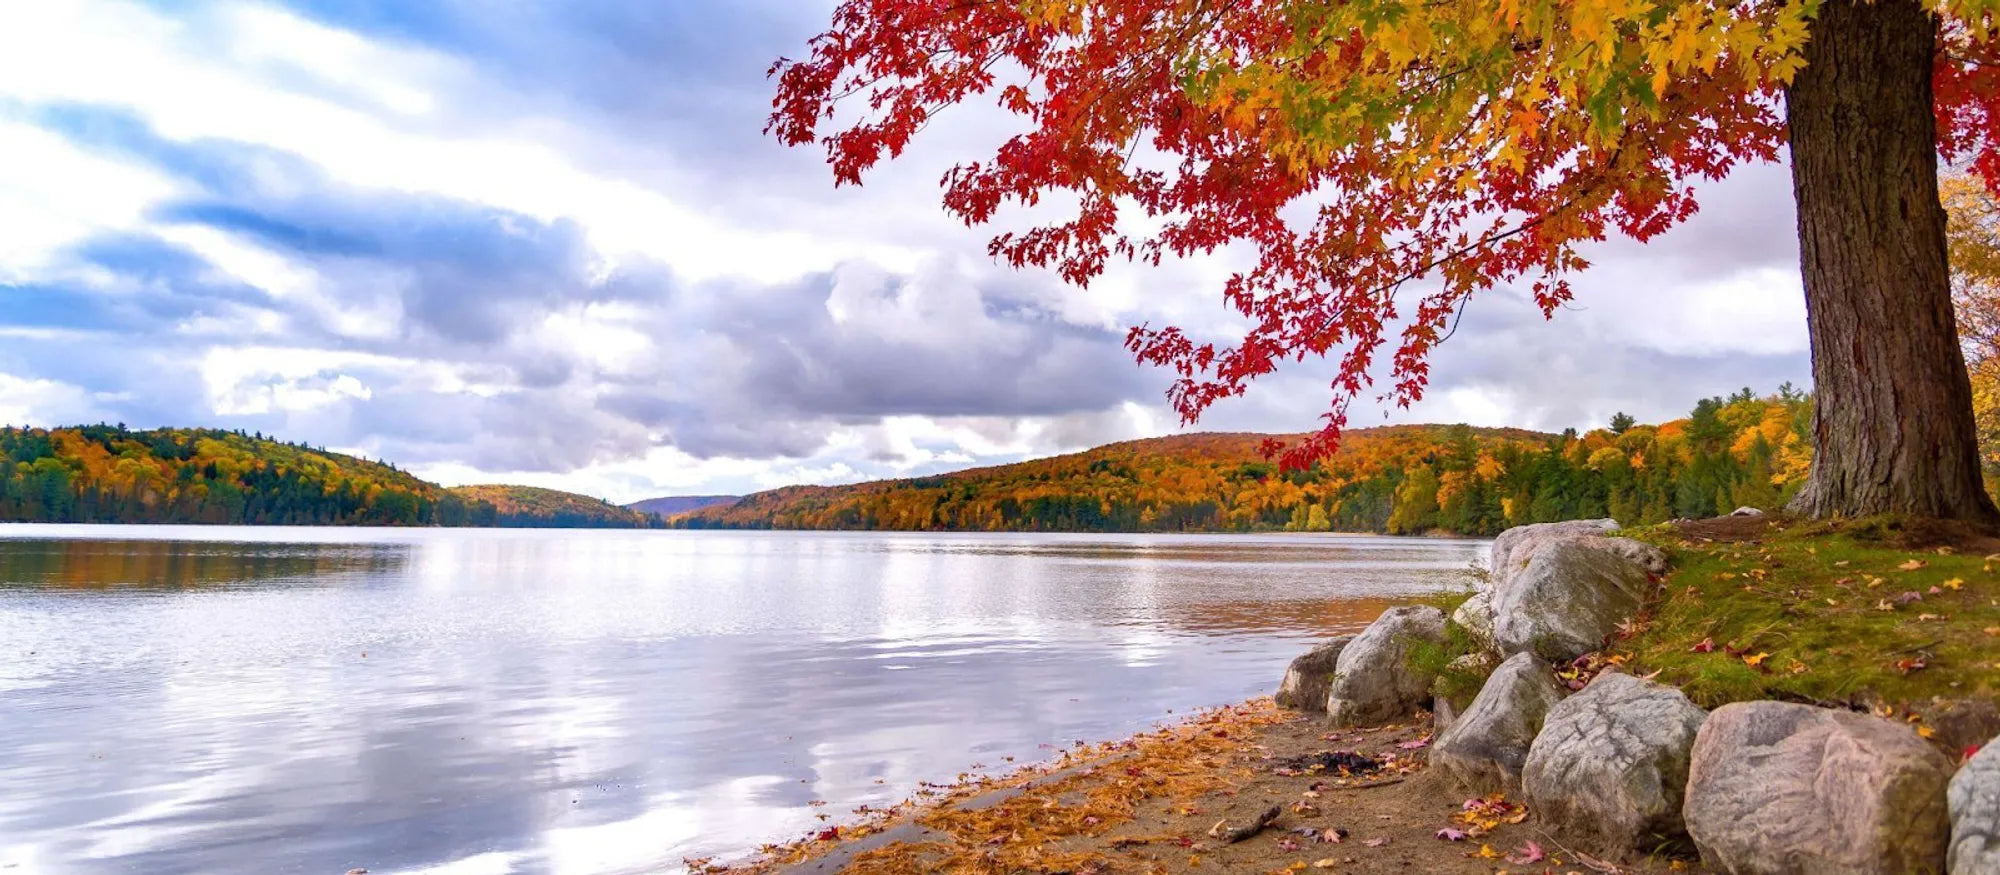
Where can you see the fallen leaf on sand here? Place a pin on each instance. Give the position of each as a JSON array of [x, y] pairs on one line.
[[1529, 853], [1376, 843], [1451, 835]]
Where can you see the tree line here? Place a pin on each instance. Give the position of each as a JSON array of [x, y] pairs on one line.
[[110, 474], [1732, 451]]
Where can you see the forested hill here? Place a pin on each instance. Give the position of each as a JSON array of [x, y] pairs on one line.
[[674, 504], [1742, 450], [535, 506], [107, 474]]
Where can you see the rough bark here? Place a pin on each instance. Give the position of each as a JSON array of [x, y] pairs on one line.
[[1892, 421]]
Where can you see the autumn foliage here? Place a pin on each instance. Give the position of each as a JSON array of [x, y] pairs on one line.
[[108, 474], [1397, 479], [1383, 161]]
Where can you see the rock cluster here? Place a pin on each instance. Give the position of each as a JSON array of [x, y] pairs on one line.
[[1626, 765]]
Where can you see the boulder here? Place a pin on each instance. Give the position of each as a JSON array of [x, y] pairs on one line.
[[1611, 763], [1373, 681], [1486, 746], [1308, 677], [1475, 616], [1777, 787], [1558, 588], [1448, 696], [1959, 725], [1974, 799], [1512, 547], [1570, 596]]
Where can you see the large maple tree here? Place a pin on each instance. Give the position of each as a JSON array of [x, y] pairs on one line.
[[1387, 159]]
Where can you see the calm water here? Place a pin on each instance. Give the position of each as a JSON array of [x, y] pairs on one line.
[[465, 702]]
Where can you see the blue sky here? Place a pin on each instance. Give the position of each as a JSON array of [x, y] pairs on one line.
[[548, 243]]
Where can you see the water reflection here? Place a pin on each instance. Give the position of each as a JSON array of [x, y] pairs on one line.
[[109, 564], [598, 701]]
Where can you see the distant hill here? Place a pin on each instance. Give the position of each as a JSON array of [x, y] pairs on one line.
[[109, 474], [1413, 479], [676, 504], [531, 507], [1193, 482]]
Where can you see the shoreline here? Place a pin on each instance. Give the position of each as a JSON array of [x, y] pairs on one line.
[[1168, 800]]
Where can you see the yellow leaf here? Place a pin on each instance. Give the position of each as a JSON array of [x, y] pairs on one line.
[[1926, 731], [1954, 583], [1486, 852], [1323, 863], [1913, 565], [1754, 660]]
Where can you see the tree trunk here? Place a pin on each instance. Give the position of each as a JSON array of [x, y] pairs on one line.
[[1892, 417]]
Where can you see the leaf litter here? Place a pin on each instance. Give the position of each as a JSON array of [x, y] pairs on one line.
[[1150, 804]]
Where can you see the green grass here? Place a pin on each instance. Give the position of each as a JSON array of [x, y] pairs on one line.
[[1454, 683], [1810, 612]]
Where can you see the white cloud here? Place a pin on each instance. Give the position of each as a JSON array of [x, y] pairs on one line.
[[120, 54], [52, 195]]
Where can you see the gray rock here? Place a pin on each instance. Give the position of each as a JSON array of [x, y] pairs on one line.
[[1777, 788], [1485, 748], [1640, 553], [1444, 712], [1558, 588], [1308, 677], [1475, 616], [1961, 724], [1446, 702], [1571, 595], [1746, 511], [1512, 547], [1611, 763], [1373, 681], [1974, 798]]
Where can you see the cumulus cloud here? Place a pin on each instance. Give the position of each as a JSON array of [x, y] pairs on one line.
[[548, 243]]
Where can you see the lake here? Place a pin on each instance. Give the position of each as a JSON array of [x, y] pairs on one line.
[[461, 702]]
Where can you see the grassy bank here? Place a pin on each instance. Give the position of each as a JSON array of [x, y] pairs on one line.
[[1880, 614]]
